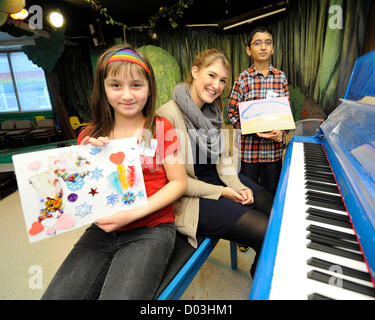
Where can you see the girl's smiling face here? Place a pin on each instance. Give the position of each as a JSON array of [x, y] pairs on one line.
[[209, 82], [127, 91]]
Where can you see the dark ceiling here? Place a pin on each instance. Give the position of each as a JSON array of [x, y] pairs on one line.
[[78, 13]]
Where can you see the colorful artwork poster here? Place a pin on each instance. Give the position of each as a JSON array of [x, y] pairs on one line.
[[266, 115], [66, 188]]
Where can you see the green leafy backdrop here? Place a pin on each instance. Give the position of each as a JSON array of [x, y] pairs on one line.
[[166, 69]]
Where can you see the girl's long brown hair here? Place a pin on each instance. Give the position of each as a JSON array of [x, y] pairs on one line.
[[102, 112]]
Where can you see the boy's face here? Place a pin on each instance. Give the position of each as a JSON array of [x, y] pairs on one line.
[[261, 47]]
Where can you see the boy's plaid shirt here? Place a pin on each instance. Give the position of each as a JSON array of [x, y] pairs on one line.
[[251, 85]]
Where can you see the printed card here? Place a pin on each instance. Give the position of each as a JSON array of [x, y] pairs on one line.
[[66, 188]]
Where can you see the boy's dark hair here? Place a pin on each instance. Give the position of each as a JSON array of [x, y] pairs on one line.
[[261, 29]]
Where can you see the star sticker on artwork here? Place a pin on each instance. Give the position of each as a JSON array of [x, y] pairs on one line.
[[93, 191]]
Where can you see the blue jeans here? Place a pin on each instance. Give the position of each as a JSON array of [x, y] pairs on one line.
[[126, 265]]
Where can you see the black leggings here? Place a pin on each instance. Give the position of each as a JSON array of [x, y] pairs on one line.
[[251, 228], [265, 174]]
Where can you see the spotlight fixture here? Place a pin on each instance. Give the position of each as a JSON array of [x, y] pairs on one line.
[[7, 7], [56, 19], [20, 15]]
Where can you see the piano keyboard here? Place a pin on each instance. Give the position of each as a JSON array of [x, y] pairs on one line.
[[318, 256]]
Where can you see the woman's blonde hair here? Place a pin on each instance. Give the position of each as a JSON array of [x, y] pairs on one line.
[[205, 59]]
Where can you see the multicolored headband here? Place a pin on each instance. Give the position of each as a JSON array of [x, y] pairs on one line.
[[128, 55]]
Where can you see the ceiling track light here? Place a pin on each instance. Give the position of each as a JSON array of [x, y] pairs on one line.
[[254, 19], [254, 15]]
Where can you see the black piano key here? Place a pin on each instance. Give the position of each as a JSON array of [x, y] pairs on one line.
[[330, 197], [346, 284], [316, 172], [317, 177], [323, 203], [314, 152], [322, 168], [319, 172], [324, 196], [326, 265], [317, 186], [331, 233], [318, 297], [318, 169], [333, 242], [335, 251], [328, 215], [317, 163], [315, 156], [312, 145], [329, 221]]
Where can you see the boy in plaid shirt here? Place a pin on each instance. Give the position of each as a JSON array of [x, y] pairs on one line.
[[261, 153]]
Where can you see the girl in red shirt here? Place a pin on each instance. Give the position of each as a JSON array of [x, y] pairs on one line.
[[124, 256]]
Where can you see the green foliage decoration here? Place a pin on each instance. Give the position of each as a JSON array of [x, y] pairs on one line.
[[172, 14], [47, 52], [297, 98], [166, 69]]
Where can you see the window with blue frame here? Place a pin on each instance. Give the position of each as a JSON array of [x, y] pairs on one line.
[[23, 85]]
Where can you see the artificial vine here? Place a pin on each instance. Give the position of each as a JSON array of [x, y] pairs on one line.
[[172, 14]]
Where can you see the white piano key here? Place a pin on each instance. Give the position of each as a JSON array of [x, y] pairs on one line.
[[330, 291]]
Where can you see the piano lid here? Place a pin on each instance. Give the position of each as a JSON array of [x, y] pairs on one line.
[[349, 136], [350, 131], [362, 81]]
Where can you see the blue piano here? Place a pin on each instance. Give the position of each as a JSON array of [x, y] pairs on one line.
[[320, 242]]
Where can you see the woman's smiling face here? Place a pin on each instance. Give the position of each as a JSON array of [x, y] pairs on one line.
[[208, 82]]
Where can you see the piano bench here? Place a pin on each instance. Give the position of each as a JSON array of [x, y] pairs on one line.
[[185, 264]]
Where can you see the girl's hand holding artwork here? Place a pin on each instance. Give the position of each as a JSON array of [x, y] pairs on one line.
[[98, 142]]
